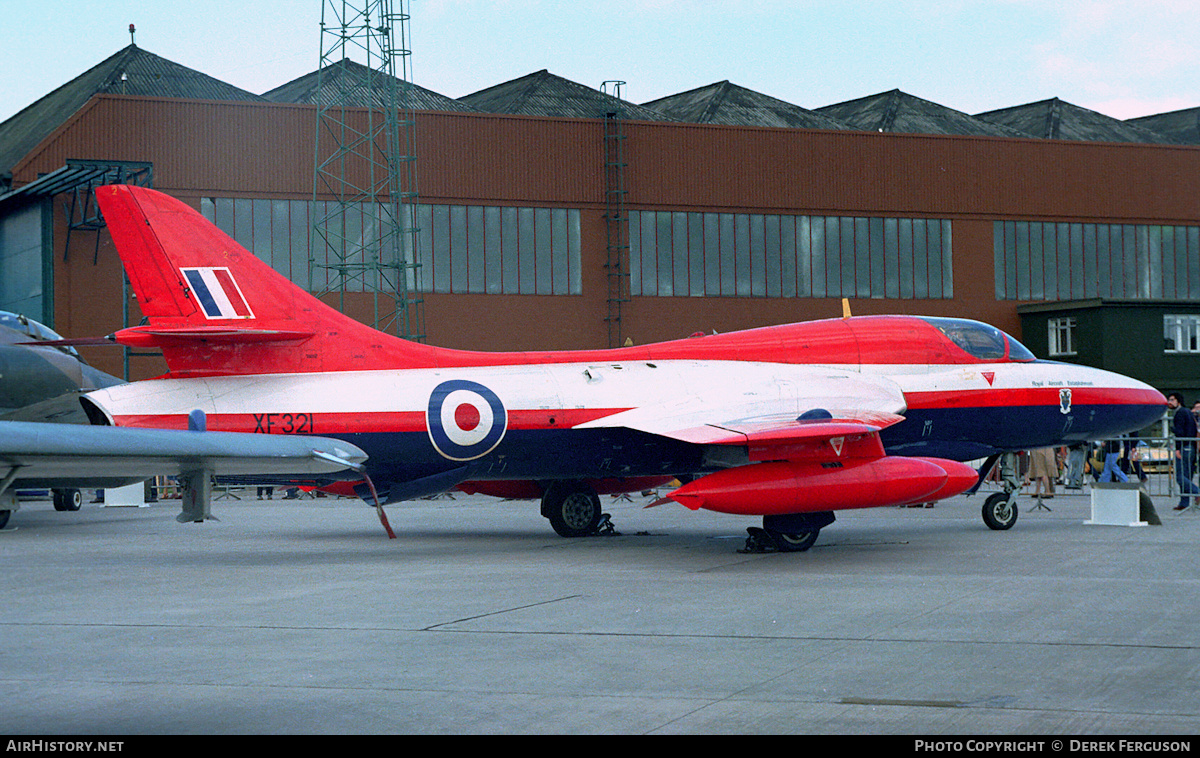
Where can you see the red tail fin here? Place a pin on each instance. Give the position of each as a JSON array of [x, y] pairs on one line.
[[214, 308]]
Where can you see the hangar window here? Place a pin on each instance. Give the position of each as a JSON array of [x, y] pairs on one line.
[[460, 248], [1181, 334], [1070, 261], [678, 253]]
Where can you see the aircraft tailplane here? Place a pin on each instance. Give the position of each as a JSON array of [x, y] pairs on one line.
[[216, 309]]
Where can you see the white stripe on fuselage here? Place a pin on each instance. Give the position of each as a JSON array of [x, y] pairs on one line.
[[784, 387], [638, 384]]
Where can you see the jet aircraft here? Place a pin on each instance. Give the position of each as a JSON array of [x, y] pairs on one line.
[[38, 380], [790, 423], [41, 374], [34, 373]]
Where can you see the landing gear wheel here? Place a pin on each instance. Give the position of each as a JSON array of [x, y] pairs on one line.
[[786, 534], [573, 509], [794, 543], [770, 541], [4, 518], [67, 499], [999, 512]]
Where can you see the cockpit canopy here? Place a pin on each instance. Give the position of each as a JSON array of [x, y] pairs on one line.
[[982, 341], [15, 329]]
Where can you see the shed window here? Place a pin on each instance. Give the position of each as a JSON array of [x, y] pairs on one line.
[[1181, 334], [1061, 334]]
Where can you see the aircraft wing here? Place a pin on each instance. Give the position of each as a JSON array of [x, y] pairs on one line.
[[60, 455], [797, 415], [810, 446]]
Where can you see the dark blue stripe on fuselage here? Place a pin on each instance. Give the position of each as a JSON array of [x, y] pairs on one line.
[[550, 454], [534, 454], [974, 433]]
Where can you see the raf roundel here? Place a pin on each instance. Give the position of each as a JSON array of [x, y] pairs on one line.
[[466, 420]]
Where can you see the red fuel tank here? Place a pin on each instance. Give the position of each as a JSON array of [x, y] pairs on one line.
[[959, 478], [782, 487]]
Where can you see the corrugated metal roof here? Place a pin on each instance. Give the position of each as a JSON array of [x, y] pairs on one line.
[[545, 94], [899, 112], [130, 71], [727, 103], [1182, 126], [1055, 119], [134, 71], [80, 172], [350, 83]]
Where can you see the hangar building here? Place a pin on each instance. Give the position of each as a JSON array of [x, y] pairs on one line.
[[735, 210]]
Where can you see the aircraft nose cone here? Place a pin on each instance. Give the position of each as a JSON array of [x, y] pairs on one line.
[[1120, 404], [1153, 403]]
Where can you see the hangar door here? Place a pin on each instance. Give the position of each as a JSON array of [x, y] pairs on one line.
[[23, 285]]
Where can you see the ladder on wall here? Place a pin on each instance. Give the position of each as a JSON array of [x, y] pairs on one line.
[[616, 217]]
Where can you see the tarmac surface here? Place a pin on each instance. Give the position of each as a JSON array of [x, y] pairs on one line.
[[302, 617]]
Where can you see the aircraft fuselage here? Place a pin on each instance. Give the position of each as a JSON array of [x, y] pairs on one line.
[[547, 421]]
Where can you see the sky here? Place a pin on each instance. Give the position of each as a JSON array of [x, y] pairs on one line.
[[1123, 58]]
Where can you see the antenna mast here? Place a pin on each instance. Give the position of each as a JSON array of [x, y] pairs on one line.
[[364, 178]]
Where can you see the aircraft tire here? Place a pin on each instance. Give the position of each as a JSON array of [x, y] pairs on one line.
[[796, 542], [4, 518], [573, 509], [999, 512], [69, 499], [796, 532]]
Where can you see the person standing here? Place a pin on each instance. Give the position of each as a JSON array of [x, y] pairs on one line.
[[1130, 454], [1183, 426], [1112, 463], [1076, 456], [1196, 415], [1042, 471]]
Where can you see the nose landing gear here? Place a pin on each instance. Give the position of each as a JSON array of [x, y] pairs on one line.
[[1000, 508]]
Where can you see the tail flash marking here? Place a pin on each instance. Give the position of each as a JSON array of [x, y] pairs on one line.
[[217, 292]]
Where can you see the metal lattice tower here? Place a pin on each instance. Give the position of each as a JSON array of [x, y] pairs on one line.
[[364, 180]]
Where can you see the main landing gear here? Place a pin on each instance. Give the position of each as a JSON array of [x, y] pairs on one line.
[[791, 533], [64, 500], [574, 510], [69, 499]]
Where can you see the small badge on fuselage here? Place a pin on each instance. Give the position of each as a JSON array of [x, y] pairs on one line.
[[1064, 400]]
